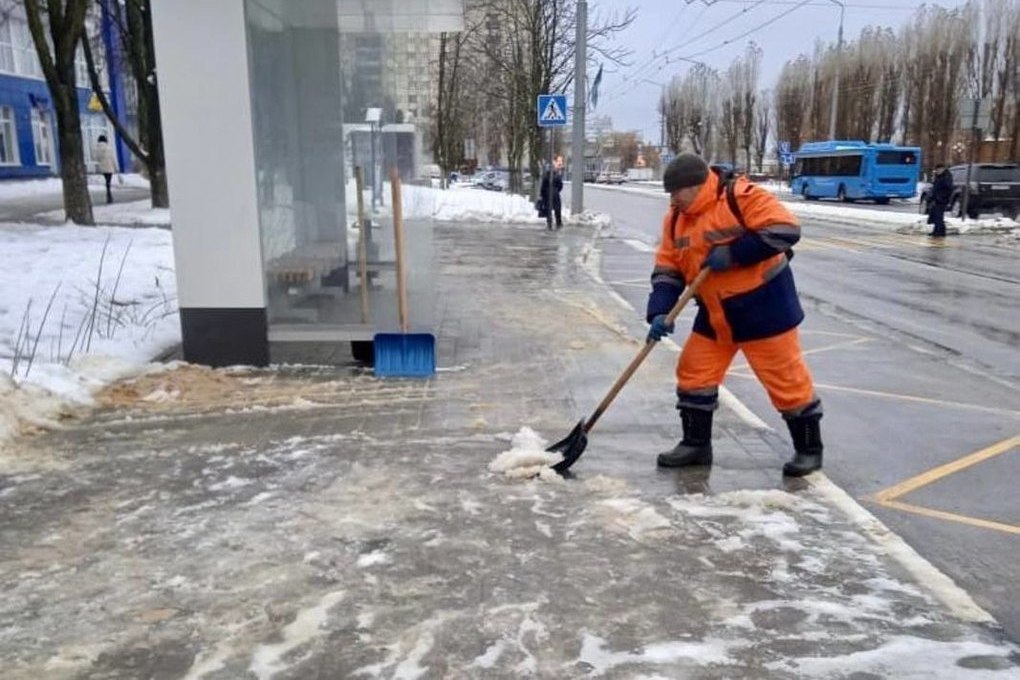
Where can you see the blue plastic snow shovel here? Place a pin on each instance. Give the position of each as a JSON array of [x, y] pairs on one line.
[[403, 355]]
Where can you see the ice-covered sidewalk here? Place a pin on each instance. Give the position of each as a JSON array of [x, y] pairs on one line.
[[80, 306], [317, 522]]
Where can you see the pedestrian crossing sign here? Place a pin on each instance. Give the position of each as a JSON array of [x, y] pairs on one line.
[[552, 110]]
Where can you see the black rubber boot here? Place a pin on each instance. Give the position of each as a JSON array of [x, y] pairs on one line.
[[806, 433], [696, 446]]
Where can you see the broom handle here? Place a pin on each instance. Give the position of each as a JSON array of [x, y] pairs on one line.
[[645, 351], [398, 244], [359, 181]]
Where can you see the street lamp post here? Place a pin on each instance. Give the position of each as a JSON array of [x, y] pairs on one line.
[[577, 134], [839, 68], [373, 116]]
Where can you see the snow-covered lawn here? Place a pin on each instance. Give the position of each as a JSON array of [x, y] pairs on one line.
[[14, 189], [61, 334], [132, 213]]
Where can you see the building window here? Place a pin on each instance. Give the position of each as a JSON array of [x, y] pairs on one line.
[[42, 134], [6, 47], [8, 137], [81, 69], [26, 61]]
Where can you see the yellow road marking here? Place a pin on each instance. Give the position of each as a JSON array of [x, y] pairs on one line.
[[926, 478], [888, 497], [741, 373], [817, 350], [951, 516]]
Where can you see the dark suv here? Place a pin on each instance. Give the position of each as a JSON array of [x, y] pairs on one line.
[[994, 187]]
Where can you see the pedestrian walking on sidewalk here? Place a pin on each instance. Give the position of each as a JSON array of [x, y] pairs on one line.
[[748, 302], [941, 195], [106, 163], [553, 203]]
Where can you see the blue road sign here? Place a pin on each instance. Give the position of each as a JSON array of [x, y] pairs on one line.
[[787, 158], [784, 147], [552, 110]]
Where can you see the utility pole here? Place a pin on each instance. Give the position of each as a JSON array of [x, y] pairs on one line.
[[839, 68], [577, 143]]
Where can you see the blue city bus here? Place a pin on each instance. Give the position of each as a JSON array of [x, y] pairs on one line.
[[850, 171]]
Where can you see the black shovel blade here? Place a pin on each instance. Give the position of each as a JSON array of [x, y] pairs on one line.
[[572, 446]]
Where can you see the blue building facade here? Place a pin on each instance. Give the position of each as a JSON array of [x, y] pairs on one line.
[[29, 146]]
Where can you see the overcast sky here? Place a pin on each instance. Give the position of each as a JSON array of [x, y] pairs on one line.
[[693, 29]]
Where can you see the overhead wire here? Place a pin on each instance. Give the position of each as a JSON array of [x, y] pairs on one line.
[[629, 84]]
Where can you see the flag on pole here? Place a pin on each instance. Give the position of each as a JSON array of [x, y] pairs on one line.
[[594, 96]]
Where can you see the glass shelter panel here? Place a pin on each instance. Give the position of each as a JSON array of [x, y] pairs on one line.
[[338, 86]]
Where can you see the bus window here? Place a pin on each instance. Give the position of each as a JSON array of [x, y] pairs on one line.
[[896, 158]]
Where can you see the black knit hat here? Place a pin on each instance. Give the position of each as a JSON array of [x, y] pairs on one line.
[[686, 170]]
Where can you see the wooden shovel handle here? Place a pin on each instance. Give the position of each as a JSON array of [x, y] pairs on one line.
[[645, 351], [398, 244], [359, 183]]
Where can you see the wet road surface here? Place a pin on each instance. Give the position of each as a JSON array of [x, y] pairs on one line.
[[915, 348]]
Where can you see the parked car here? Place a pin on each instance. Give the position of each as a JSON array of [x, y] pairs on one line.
[[994, 187], [496, 180], [607, 177]]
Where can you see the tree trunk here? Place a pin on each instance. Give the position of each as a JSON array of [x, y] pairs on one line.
[[73, 175], [160, 193]]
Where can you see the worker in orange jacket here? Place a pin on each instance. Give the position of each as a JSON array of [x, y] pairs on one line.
[[748, 302]]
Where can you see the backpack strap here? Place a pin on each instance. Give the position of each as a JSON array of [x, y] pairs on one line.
[[731, 199], [727, 183]]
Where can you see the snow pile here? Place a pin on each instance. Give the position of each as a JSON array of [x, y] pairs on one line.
[[590, 218], [527, 458], [130, 214], [903, 222], [994, 224], [61, 336], [465, 203], [14, 189]]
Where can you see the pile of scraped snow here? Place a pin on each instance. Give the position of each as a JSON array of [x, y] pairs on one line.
[[589, 218], [527, 458]]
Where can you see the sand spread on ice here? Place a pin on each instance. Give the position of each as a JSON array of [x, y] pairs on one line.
[[527, 457]]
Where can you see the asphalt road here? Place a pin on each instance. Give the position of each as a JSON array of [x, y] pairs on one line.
[[915, 349]]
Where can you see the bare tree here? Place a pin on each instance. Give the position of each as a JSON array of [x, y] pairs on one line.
[[448, 133], [762, 127], [749, 91], [890, 87], [689, 107], [133, 20], [674, 109], [993, 70], [64, 22], [531, 52], [792, 98], [730, 119]]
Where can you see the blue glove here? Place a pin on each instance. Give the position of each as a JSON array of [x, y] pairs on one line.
[[658, 330], [719, 259]]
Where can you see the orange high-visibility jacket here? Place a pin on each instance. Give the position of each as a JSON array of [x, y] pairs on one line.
[[755, 298]]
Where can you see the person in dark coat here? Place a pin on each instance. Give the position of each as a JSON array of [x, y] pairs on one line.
[[555, 205], [941, 195]]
